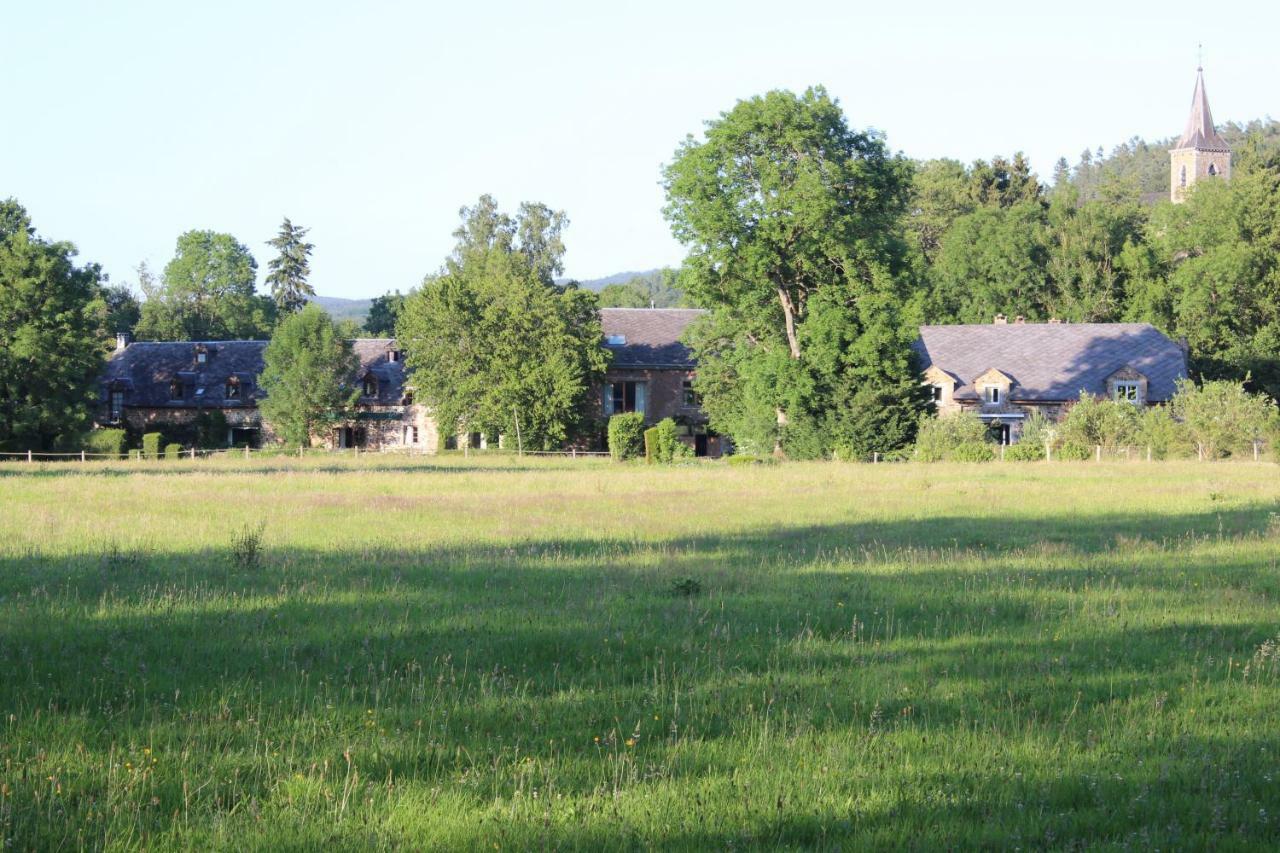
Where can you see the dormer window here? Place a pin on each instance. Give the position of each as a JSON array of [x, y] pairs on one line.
[[371, 386], [991, 394], [175, 390], [407, 399], [1129, 392], [615, 340], [394, 355], [233, 388], [202, 354]]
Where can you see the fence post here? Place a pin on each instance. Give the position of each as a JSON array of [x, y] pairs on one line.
[[875, 457], [1255, 450], [573, 452], [29, 459], [1099, 447], [82, 456], [1148, 453], [193, 452], [246, 451], [1002, 452], [1048, 452]]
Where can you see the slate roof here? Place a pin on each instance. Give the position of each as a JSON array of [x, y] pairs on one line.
[[147, 369], [1053, 362], [651, 336], [1199, 132], [372, 353]]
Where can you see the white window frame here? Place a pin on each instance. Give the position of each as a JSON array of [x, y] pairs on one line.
[[991, 394], [117, 405], [1127, 390]]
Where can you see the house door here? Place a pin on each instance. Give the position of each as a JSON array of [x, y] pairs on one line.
[[700, 444], [999, 432]]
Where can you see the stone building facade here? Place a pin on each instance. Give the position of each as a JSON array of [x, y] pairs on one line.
[[1005, 371], [1200, 152], [652, 372], [187, 390]]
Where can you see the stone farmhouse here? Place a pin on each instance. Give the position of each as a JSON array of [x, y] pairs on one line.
[[178, 388], [175, 387], [652, 371], [1005, 371]]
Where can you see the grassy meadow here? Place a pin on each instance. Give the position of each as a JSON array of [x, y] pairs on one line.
[[505, 654]]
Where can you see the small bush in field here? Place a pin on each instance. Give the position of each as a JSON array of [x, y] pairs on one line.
[[686, 587], [172, 451], [246, 546]]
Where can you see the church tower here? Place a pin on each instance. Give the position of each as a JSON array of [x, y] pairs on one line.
[[1201, 152]]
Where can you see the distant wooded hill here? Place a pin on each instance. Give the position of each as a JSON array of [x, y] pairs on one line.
[[1143, 167]]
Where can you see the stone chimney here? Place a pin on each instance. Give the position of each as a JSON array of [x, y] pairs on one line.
[[1001, 320], [123, 339]]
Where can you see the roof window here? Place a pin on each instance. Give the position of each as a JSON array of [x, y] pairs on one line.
[[615, 340]]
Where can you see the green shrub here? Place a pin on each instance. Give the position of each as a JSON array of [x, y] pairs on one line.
[[108, 442], [1024, 451], [661, 444], [1096, 420], [972, 451], [151, 443], [1072, 451], [172, 451], [940, 437], [626, 435], [651, 445], [742, 459]]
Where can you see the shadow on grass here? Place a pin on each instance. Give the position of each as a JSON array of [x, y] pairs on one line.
[[861, 631]]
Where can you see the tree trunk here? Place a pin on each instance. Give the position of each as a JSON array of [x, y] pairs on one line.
[[789, 316]]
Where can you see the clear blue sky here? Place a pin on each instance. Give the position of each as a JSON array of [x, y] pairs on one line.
[[373, 122]]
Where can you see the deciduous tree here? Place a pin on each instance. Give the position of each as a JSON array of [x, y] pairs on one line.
[[792, 224], [492, 343], [51, 346], [207, 293], [308, 376]]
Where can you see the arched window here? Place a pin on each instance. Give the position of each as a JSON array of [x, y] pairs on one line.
[[1213, 170], [1183, 177]]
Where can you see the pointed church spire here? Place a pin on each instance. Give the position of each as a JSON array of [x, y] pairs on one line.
[[1200, 133]]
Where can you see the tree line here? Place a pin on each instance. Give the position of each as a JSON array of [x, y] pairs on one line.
[[815, 249]]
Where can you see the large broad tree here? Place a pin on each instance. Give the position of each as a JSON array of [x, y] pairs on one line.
[[207, 292], [51, 343], [492, 343], [288, 270], [308, 376], [793, 223], [383, 313]]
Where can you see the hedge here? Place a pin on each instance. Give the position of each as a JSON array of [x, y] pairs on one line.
[[172, 451], [661, 443], [1026, 451], [151, 442], [626, 435], [972, 451], [107, 442]]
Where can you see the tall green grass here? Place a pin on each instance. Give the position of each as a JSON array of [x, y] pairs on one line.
[[466, 653]]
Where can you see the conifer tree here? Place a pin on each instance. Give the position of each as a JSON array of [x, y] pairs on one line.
[[289, 269]]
